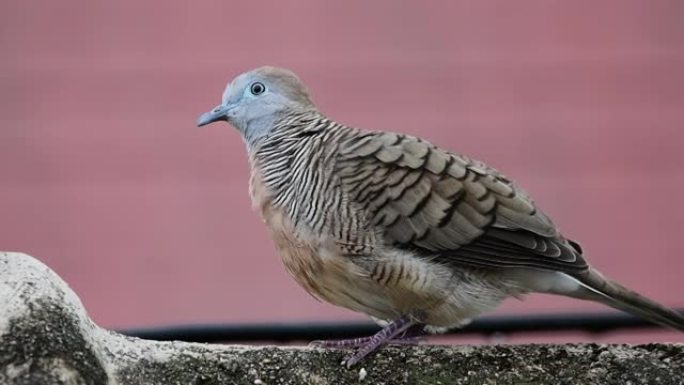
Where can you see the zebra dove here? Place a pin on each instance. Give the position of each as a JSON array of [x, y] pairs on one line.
[[390, 225]]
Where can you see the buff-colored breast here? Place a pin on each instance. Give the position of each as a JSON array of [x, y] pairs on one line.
[[300, 251], [316, 263]]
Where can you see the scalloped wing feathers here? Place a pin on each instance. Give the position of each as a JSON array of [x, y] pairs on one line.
[[449, 207]]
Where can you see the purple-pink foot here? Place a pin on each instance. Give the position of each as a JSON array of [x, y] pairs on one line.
[[357, 342], [395, 332]]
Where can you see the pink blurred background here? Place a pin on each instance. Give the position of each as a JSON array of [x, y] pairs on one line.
[[106, 179]]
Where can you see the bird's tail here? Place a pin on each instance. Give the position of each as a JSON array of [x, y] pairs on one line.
[[596, 287]]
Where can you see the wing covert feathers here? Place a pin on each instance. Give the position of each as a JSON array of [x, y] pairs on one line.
[[447, 206]]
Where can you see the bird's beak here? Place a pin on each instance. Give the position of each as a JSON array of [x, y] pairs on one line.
[[219, 112]]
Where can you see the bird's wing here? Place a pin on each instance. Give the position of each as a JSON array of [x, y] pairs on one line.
[[447, 207]]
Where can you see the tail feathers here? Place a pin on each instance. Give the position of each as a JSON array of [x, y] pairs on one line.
[[598, 288]]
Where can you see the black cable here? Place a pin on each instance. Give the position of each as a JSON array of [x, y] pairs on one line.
[[288, 332]]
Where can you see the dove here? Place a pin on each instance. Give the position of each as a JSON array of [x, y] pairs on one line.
[[419, 238]]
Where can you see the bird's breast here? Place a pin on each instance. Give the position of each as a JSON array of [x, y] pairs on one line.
[[299, 249], [316, 264]]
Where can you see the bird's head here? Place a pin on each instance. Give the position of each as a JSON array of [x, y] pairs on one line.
[[254, 101]]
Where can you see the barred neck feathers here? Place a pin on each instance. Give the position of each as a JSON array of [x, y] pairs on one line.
[[295, 165]]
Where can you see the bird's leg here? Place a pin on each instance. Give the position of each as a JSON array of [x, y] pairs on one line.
[[358, 342], [368, 345], [388, 333], [411, 336], [341, 344]]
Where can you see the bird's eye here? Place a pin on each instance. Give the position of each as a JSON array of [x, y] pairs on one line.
[[257, 88]]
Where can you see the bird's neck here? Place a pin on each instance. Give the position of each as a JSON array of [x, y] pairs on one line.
[[277, 127], [294, 158], [286, 136]]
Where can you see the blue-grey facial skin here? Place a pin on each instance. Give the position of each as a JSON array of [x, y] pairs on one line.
[[254, 115]]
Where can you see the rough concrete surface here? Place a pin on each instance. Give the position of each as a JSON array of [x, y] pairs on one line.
[[47, 338]]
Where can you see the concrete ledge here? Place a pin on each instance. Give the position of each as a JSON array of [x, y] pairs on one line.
[[47, 338]]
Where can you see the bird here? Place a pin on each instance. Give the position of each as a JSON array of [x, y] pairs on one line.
[[419, 238]]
